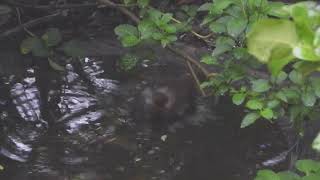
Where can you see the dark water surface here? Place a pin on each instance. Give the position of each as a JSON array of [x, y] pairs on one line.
[[78, 125]]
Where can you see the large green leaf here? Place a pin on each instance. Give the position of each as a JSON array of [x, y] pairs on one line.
[[146, 29], [72, 48], [267, 175], [28, 44], [272, 40], [307, 166]]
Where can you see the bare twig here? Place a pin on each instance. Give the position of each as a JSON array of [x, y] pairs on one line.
[[28, 25], [20, 22], [190, 59], [194, 32], [64, 6], [122, 9], [196, 79]]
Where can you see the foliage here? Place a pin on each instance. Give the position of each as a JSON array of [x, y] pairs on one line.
[[309, 168], [266, 51], [1, 168], [46, 46], [128, 62]]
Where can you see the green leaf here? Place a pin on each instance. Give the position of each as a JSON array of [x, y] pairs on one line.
[[282, 76], [282, 96], [40, 49], [260, 85], [288, 175], [267, 113], [28, 44], [236, 26], [143, 3], [1, 168], [267, 175], [170, 28], [306, 67], [223, 44], [308, 97], [308, 166], [146, 29], [277, 9], [168, 39], [129, 41], [217, 27], [249, 119], [272, 40], [316, 143], [306, 52], [205, 7], [273, 103], [126, 30], [52, 37], [210, 60], [73, 49], [238, 98], [296, 77], [190, 10], [254, 104], [219, 5], [167, 17], [311, 177]]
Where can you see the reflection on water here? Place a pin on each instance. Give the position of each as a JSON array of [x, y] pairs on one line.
[[93, 136]]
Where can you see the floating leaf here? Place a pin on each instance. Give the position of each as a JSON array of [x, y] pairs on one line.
[[249, 119], [28, 44], [72, 48], [52, 37]]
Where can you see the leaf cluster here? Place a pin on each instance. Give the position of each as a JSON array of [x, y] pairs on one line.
[[309, 168]]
